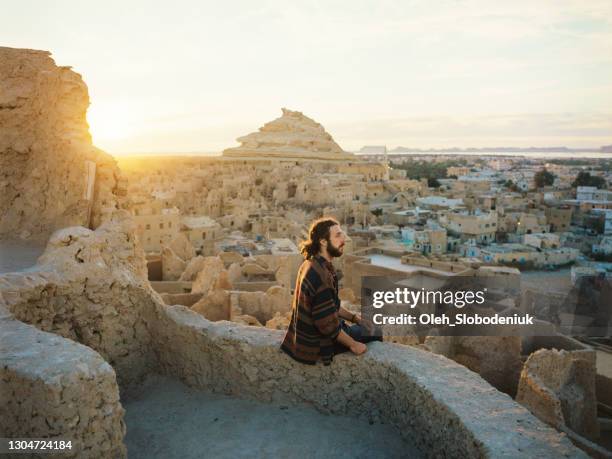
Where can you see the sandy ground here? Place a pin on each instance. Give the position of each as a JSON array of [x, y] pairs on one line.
[[19, 255], [170, 420]]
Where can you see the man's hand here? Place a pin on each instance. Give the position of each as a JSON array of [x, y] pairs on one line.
[[349, 315], [358, 348]]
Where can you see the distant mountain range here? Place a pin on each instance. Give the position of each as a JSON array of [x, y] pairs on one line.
[[603, 149]]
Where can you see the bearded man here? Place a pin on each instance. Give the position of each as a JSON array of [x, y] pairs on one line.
[[317, 329]]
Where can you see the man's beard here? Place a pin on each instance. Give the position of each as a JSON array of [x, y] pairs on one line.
[[334, 251]]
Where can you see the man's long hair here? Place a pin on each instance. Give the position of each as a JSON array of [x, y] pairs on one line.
[[318, 230]]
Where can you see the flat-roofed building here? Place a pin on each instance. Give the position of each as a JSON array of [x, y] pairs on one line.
[[439, 202], [202, 232], [154, 230], [426, 241], [559, 218], [477, 226]]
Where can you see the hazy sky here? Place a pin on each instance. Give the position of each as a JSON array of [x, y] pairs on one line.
[[194, 75]]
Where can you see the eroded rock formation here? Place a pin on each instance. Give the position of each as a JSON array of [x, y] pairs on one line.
[[293, 135], [51, 176]]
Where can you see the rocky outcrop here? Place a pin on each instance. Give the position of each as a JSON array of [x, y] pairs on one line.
[[559, 388], [293, 135], [51, 176]]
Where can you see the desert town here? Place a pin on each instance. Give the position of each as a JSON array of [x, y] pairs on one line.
[[114, 269]]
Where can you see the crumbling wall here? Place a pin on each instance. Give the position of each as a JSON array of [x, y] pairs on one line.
[[264, 305], [559, 388], [91, 287], [544, 304], [222, 304], [51, 176], [51, 387], [176, 256], [496, 358], [446, 409]]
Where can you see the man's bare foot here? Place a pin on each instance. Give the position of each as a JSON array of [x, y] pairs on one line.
[[358, 348]]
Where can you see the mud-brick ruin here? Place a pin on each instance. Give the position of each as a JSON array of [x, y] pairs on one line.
[[82, 328]]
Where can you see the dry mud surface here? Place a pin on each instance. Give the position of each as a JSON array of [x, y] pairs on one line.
[[17, 255], [167, 419]]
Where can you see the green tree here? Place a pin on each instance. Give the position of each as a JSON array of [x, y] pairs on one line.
[[426, 169], [596, 223], [543, 178], [501, 236], [433, 182], [586, 179]]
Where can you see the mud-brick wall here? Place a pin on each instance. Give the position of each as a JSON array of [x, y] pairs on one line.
[[51, 387], [447, 410], [90, 286]]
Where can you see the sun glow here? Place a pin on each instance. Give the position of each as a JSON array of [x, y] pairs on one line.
[[108, 124]]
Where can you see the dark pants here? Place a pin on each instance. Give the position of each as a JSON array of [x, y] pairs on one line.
[[358, 333]]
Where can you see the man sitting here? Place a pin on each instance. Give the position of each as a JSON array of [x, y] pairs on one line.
[[317, 329]]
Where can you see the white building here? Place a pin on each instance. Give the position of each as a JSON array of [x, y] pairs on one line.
[[591, 193]]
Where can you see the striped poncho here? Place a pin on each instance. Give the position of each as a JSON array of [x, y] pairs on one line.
[[314, 323]]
